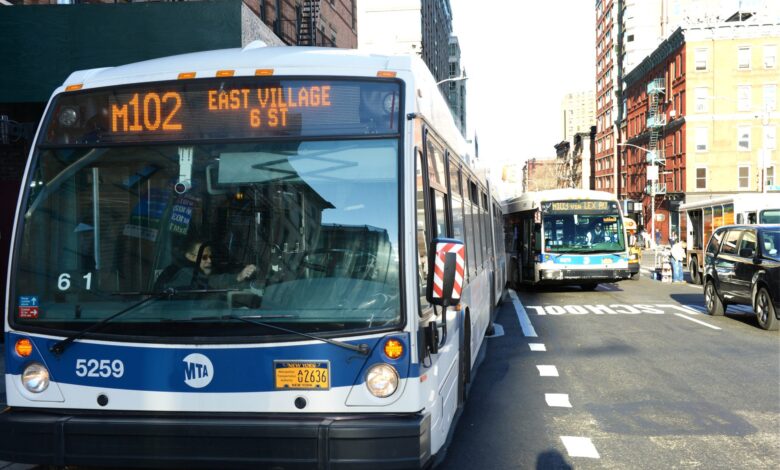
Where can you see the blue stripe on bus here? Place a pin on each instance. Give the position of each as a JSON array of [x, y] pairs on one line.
[[582, 259], [235, 369]]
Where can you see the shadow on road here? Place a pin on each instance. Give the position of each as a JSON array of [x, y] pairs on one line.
[[552, 460]]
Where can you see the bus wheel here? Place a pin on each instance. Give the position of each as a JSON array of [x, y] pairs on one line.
[[589, 286], [695, 274]]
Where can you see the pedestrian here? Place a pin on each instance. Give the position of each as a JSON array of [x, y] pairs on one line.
[[657, 237], [672, 237], [678, 256]]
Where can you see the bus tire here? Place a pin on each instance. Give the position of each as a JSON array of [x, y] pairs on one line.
[[696, 277]]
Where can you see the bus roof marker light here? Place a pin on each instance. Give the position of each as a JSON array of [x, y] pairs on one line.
[[23, 347], [186, 75], [77, 86], [386, 74], [225, 73], [393, 349], [264, 72]]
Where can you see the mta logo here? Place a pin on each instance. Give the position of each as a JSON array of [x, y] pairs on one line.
[[198, 370]]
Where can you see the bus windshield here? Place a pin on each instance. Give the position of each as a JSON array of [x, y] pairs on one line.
[[578, 226], [304, 231]]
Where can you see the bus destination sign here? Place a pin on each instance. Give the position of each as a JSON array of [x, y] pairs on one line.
[[580, 207], [232, 108]]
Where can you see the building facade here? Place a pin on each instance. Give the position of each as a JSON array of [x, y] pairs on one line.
[[578, 113], [608, 89], [653, 156], [541, 174], [575, 160], [422, 27], [733, 76]]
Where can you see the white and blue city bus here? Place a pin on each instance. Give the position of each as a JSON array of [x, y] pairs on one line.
[[221, 259], [565, 236]]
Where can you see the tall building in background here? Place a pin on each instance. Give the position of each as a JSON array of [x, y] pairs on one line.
[[628, 31], [578, 113], [422, 27], [456, 89], [608, 89]]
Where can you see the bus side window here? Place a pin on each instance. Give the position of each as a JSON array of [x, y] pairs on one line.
[[440, 213], [422, 244]]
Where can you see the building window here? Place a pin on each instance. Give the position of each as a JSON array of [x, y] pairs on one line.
[[769, 176], [702, 99], [770, 56], [770, 137], [701, 178], [770, 97], [700, 59], [743, 98], [702, 139], [630, 38], [743, 58], [743, 138], [743, 180]]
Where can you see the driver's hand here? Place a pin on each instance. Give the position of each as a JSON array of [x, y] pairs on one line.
[[246, 273]]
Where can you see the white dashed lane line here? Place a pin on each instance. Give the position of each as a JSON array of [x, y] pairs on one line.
[[547, 371], [575, 446], [557, 400], [580, 447]]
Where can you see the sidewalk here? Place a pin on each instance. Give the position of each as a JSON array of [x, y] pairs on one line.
[[648, 267]]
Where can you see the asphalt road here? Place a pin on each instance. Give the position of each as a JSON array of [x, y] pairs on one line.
[[632, 375]]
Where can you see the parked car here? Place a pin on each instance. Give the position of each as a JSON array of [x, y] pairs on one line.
[[742, 266]]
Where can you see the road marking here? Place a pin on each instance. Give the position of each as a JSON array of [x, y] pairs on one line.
[[498, 331], [560, 400], [697, 321], [580, 447], [537, 346], [522, 316], [547, 371]]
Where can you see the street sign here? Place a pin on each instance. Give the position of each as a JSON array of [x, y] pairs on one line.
[[652, 173]]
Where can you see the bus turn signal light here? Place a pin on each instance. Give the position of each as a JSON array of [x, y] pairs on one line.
[[23, 347], [386, 74], [394, 349]]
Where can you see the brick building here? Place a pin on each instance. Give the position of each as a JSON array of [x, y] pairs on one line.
[[655, 136], [540, 174], [608, 13]]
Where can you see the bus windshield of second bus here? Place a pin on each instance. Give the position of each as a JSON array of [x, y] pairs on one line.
[[576, 226], [112, 211]]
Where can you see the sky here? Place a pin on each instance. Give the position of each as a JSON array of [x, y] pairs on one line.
[[522, 58]]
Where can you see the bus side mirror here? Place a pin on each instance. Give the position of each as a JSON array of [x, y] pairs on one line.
[[446, 270]]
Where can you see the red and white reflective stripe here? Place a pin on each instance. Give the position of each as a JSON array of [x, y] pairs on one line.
[[438, 272]]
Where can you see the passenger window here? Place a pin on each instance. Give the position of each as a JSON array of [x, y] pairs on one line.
[[440, 205], [747, 246], [717, 237], [730, 244], [422, 245]]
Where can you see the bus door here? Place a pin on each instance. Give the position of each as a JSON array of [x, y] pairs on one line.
[[527, 255]]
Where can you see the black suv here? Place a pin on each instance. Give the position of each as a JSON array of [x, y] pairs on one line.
[[742, 266]]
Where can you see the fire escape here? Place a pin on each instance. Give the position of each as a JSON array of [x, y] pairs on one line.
[[308, 20], [655, 123]]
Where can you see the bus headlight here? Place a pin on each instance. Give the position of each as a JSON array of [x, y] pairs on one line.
[[382, 380], [35, 378]]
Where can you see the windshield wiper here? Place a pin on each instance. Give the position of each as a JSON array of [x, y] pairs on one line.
[[59, 347], [258, 320]]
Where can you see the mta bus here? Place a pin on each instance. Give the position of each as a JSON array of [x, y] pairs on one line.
[[257, 257], [565, 236]]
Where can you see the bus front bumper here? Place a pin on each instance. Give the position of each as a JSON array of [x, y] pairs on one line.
[[568, 276], [215, 441]]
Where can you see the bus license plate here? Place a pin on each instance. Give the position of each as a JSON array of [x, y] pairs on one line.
[[302, 375]]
